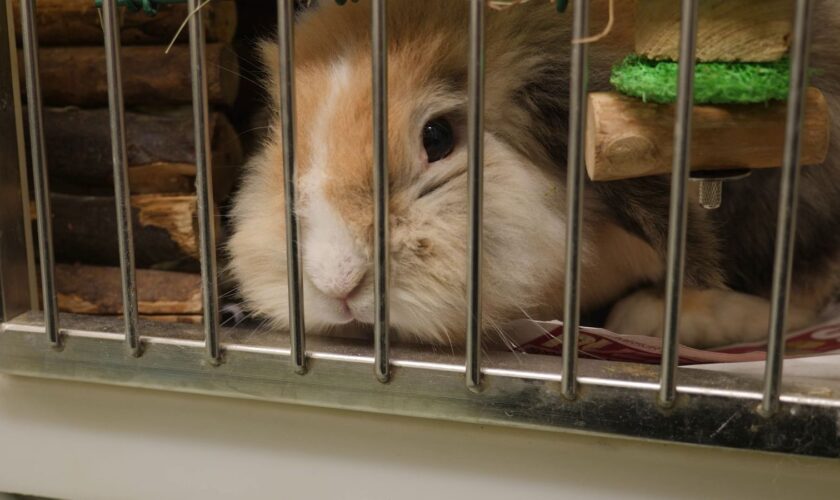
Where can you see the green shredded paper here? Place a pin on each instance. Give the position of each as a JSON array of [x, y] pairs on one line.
[[714, 82]]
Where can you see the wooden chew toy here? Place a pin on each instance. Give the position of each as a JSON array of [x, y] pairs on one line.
[[629, 138], [727, 30], [160, 148], [165, 228], [167, 296], [70, 23], [626, 137], [160, 152], [149, 75]]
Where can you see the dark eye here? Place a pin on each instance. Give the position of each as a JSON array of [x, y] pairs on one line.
[[438, 139]]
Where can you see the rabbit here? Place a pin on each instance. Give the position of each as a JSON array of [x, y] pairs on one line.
[[730, 250]]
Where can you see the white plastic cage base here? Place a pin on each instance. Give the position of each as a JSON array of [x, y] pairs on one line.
[[90, 441], [519, 390]]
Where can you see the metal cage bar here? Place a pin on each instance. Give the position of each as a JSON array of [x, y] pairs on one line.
[[204, 184], [679, 205], [122, 194], [39, 170], [788, 197], [18, 289], [574, 196], [285, 35], [381, 257], [475, 141]]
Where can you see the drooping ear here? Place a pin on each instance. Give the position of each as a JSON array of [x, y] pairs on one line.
[[268, 53]]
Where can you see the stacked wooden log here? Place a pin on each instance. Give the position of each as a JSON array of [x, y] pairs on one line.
[[160, 148]]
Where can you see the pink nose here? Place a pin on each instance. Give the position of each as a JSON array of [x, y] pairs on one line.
[[339, 286]]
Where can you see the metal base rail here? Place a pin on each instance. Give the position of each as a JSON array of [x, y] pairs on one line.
[[519, 390]]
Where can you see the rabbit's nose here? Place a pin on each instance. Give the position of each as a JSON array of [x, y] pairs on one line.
[[338, 283]]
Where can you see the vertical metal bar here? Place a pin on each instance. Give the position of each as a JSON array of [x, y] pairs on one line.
[[381, 237], [39, 169], [679, 206], [18, 288], [204, 184], [285, 34], [788, 197], [574, 196], [475, 140], [121, 191]]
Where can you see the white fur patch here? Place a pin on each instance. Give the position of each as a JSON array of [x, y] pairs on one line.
[[332, 261]]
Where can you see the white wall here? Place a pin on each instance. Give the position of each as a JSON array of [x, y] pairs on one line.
[[87, 441]]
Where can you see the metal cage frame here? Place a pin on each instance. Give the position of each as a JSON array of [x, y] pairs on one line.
[[795, 415]]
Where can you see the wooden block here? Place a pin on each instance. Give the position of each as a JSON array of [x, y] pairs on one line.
[[77, 22], [163, 178], [728, 30], [76, 75], [190, 319], [173, 178], [160, 149], [98, 290], [627, 138], [165, 229]]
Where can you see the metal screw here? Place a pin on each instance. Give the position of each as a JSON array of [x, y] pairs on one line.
[[710, 194], [711, 185]]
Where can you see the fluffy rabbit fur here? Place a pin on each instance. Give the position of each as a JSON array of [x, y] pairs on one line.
[[729, 260]]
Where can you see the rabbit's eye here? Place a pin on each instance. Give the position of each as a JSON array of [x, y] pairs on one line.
[[438, 139]]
